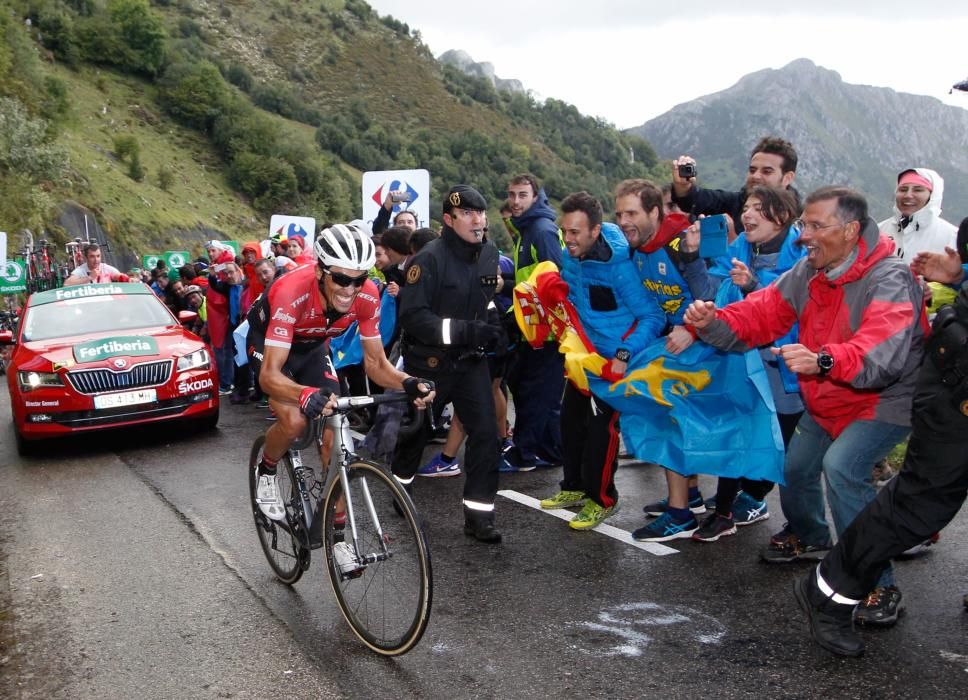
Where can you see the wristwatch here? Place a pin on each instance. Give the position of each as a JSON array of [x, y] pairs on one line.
[[623, 355], [825, 362]]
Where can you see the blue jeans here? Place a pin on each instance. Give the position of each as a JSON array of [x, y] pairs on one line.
[[845, 464], [225, 362]]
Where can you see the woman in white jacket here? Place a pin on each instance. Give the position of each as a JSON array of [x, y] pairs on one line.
[[917, 225]]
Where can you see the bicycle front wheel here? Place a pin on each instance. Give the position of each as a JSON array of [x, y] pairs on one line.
[[280, 543], [386, 598]]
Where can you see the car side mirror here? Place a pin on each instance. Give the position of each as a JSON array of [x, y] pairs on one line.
[[187, 316], [6, 338]]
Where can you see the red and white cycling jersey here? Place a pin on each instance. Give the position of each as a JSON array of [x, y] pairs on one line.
[[297, 313]]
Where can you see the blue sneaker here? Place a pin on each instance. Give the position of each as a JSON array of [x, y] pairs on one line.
[[665, 528], [654, 510], [747, 510], [512, 463], [438, 467]]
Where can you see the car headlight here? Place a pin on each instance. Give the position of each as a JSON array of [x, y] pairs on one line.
[[34, 380], [196, 360]]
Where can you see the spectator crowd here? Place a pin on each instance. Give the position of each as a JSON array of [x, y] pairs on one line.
[[835, 305]]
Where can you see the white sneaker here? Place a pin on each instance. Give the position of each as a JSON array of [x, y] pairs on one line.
[[268, 497], [345, 558]]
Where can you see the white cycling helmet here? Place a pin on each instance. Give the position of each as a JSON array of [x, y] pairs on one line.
[[345, 245]]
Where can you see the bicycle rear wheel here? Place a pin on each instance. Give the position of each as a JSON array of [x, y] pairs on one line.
[[282, 547], [387, 600]]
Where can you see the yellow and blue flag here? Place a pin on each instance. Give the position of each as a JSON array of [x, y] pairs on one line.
[[702, 411]]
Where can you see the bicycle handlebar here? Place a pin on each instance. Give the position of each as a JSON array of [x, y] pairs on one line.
[[348, 403]]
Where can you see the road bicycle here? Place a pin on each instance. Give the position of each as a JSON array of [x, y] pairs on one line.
[[376, 552], [75, 253], [41, 269]]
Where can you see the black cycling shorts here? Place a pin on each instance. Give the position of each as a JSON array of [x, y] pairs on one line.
[[308, 364]]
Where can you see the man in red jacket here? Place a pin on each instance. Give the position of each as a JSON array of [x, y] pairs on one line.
[[862, 328]]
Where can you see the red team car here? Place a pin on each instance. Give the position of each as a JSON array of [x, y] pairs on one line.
[[100, 355]]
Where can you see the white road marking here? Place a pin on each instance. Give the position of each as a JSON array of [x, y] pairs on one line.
[[605, 529], [955, 658], [637, 625]]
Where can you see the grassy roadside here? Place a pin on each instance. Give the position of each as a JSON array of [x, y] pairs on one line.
[[107, 105]]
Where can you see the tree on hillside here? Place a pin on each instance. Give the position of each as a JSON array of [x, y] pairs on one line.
[[127, 35], [194, 93], [141, 32]]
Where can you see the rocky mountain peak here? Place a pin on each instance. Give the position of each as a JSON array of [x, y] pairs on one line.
[[857, 135]]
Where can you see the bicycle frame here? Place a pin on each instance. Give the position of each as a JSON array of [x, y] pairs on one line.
[[342, 453]]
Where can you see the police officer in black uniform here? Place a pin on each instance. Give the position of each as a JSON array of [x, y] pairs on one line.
[[443, 311], [925, 495]]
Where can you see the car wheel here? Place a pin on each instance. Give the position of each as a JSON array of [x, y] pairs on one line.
[[209, 422], [25, 447]]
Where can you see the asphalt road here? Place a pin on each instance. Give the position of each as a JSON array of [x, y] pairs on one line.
[[130, 568]]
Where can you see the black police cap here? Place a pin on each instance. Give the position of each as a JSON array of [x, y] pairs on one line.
[[464, 197]]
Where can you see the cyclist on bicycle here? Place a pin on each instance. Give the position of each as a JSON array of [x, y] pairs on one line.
[[94, 271], [298, 314]]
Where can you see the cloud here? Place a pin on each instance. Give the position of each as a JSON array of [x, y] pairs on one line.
[[630, 61]]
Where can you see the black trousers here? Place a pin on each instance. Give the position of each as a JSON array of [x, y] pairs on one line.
[[468, 386], [590, 440], [727, 488], [919, 501], [536, 381]]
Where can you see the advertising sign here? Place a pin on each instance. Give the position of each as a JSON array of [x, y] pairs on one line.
[[414, 184], [285, 225], [13, 277]]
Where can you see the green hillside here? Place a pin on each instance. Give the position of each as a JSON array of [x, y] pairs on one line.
[[177, 120]]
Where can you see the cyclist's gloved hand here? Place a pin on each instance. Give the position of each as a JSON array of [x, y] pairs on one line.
[[480, 335], [411, 386], [312, 402]]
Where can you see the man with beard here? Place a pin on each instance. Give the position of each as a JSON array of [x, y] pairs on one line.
[[655, 241], [773, 163], [536, 375]]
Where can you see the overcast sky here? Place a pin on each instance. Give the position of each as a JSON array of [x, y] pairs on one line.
[[631, 60]]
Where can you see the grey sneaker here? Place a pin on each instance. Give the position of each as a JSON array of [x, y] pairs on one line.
[[791, 549]]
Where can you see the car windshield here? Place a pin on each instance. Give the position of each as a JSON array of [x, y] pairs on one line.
[[89, 315]]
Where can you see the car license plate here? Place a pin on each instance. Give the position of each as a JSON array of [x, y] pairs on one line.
[[125, 398]]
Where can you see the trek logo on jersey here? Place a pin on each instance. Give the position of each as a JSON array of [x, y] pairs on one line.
[[299, 301], [281, 315], [197, 385]]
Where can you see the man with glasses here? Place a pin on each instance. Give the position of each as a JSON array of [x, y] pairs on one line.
[[861, 336], [294, 321], [443, 311]]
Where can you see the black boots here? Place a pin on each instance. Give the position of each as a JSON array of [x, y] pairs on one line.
[[831, 624], [479, 524]]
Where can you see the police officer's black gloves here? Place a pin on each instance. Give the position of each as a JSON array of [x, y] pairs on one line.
[[412, 388], [479, 335], [312, 402]]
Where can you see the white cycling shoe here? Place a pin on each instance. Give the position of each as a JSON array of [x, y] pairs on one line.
[[345, 559], [268, 497]]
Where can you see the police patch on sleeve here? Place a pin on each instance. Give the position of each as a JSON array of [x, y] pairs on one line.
[[413, 274]]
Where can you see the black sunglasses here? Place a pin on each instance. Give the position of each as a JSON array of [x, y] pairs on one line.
[[341, 280]]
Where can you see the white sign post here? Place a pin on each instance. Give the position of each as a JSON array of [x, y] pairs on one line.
[[415, 183], [3, 249]]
